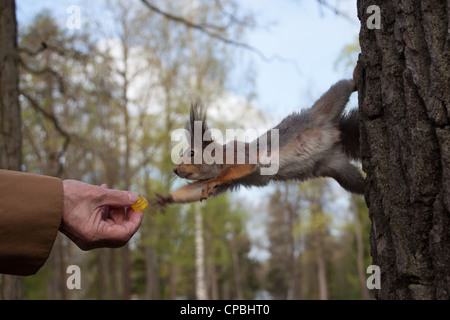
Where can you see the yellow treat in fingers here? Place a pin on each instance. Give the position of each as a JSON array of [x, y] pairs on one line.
[[140, 204]]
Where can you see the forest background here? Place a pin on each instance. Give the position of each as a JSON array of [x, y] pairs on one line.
[[100, 100]]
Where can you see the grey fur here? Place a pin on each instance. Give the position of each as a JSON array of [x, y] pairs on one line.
[[324, 132], [316, 142]]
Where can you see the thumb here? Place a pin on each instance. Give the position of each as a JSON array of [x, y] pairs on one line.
[[116, 198]]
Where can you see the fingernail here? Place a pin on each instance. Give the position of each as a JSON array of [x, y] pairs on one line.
[[132, 196]]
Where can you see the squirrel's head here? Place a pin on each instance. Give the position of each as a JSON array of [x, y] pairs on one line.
[[197, 162]]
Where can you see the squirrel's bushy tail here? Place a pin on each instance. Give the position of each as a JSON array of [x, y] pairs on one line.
[[349, 127]]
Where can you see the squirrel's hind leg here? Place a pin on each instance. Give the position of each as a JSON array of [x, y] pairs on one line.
[[345, 173]]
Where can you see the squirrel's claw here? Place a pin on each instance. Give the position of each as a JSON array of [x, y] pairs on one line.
[[209, 189], [161, 201]]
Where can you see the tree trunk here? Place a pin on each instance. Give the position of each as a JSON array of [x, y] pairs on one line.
[[151, 272], [319, 248], [404, 100], [150, 231], [292, 293], [126, 272], [200, 283], [237, 274], [103, 277], [63, 253], [321, 271], [114, 274], [359, 248], [212, 274], [10, 117]]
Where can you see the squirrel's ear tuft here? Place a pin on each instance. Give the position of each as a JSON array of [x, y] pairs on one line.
[[197, 113]]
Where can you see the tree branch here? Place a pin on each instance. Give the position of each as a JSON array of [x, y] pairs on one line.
[[32, 53], [44, 70], [335, 10], [36, 106], [67, 136], [204, 29]]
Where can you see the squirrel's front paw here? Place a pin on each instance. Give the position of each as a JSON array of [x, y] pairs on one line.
[[209, 189], [162, 200]]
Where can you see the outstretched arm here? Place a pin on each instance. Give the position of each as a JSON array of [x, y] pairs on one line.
[[188, 193], [228, 175], [201, 190]]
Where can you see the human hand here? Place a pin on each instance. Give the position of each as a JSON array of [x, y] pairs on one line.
[[95, 217]]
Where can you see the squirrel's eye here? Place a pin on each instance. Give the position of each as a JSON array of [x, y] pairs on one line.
[[191, 154]]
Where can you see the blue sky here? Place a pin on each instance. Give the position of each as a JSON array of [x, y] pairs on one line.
[[311, 36]]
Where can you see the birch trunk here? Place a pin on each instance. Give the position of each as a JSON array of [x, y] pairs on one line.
[[200, 284]]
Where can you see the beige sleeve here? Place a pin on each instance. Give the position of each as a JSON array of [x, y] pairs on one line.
[[30, 215]]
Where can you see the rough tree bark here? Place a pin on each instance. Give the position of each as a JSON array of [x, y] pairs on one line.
[[10, 118], [404, 101]]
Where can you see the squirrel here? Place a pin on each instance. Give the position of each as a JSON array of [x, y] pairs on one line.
[[316, 142]]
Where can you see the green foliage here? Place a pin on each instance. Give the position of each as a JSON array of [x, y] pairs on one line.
[[302, 240]]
